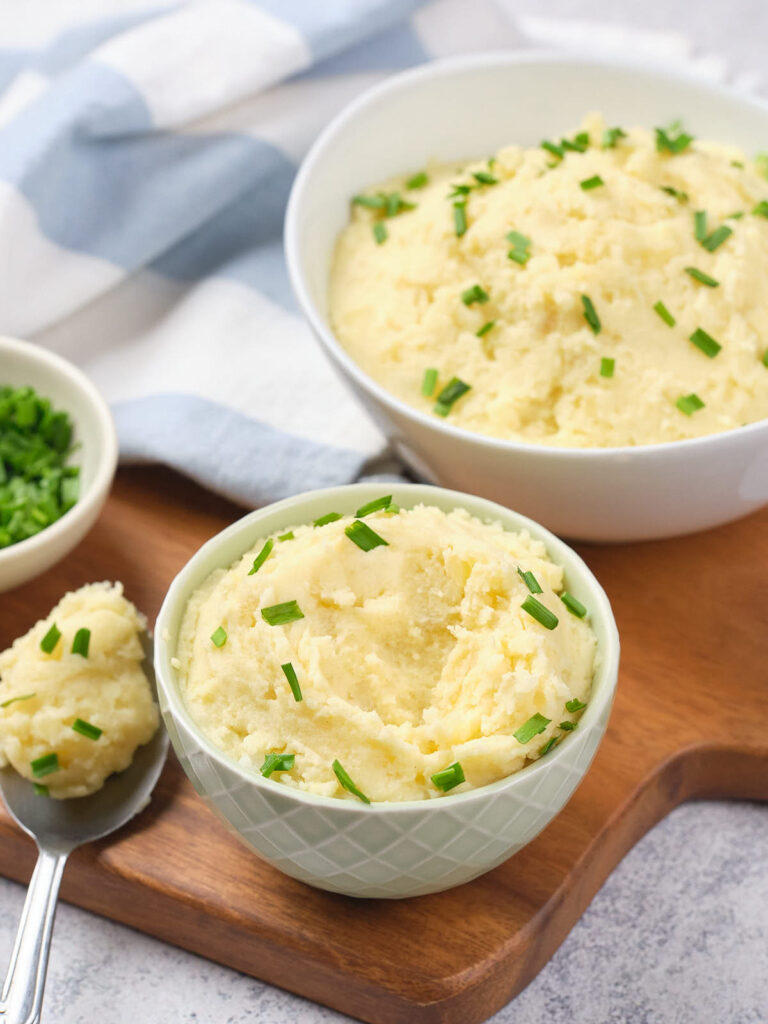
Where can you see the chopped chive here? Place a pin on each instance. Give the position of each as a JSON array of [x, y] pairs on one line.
[[45, 765], [520, 251], [377, 202], [669, 142], [81, 642], [449, 778], [13, 700], [740, 213], [329, 517], [396, 204], [716, 239], [551, 742], [578, 144], [529, 580], [700, 225], [366, 539], [764, 360], [607, 366], [347, 783], [418, 180], [429, 382], [290, 674], [282, 614], [459, 190], [611, 136], [761, 210], [91, 732], [277, 763], [392, 508], [380, 232], [675, 192], [373, 506], [484, 178], [574, 705], [474, 294], [689, 404], [705, 342], [574, 606], [535, 725], [219, 636], [460, 218], [556, 151], [285, 536], [540, 612], [488, 326], [737, 163], [51, 638], [450, 394], [567, 726], [590, 314], [699, 275], [589, 183], [39, 789], [262, 556], [664, 313]]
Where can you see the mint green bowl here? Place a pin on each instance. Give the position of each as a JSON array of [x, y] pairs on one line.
[[387, 850]]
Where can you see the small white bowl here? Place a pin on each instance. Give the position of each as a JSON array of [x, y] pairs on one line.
[[24, 363], [469, 107], [385, 849]]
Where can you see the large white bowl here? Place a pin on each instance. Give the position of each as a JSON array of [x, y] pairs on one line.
[[23, 363], [397, 849], [469, 107]]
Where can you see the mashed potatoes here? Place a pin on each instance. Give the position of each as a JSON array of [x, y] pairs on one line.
[[409, 657], [68, 720], [485, 282]]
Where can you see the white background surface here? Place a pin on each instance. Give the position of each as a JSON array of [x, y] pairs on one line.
[[679, 933]]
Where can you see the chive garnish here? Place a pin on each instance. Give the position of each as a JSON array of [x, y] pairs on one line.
[[484, 178], [701, 277], [450, 394], [488, 326], [567, 726], [39, 789], [675, 192], [429, 382], [669, 142], [578, 144], [460, 218], [738, 214], [449, 778], [589, 183], [590, 314], [664, 313], [219, 636], [380, 232], [529, 580], [611, 136], [761, 210], [418, 180], [377, 202], [392, 508], [285, 536], [277, 763], [366, 539], [13, 700], [556, 151], [540, 612], [535, 725], [396, 204], [373, 506], [689, 404], [551, 742], [262, 556], [45, 765], [574, 606], [520, 251], [329, 517], [574, 705], [737, 163], [51, 638], [347, 783], [705, 342], [700, 225], [81, 641], [716, 239], [91, 732], [474, 294], [764, 360], [282, 614], [607, 366], [459, 190], [290, 674]]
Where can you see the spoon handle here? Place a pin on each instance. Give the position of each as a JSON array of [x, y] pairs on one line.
[[22, 995]]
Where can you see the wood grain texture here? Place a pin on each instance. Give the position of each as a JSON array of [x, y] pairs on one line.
[[690, 720]]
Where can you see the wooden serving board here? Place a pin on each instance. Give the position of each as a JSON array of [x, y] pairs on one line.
[[690, 720]]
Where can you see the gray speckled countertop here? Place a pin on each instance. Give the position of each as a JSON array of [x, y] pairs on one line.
[[679, 932]]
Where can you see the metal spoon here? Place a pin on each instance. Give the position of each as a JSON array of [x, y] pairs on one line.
[[58, 827]]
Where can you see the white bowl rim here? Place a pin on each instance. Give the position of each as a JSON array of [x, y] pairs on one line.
[[606, 668], [446, 67], [107, 460]]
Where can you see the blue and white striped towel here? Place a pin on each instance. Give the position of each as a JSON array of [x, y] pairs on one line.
[[145, 163]]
